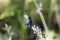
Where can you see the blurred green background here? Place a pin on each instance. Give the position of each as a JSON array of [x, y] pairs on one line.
[[12, 12]]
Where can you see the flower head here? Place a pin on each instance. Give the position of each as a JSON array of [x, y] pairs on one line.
[[36, 30], [40, 8], [40, 4], [37, 11]]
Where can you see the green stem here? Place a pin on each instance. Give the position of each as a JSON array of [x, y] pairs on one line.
[[41, 16]]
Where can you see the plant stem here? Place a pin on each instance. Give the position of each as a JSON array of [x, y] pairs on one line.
[[41, 16]]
